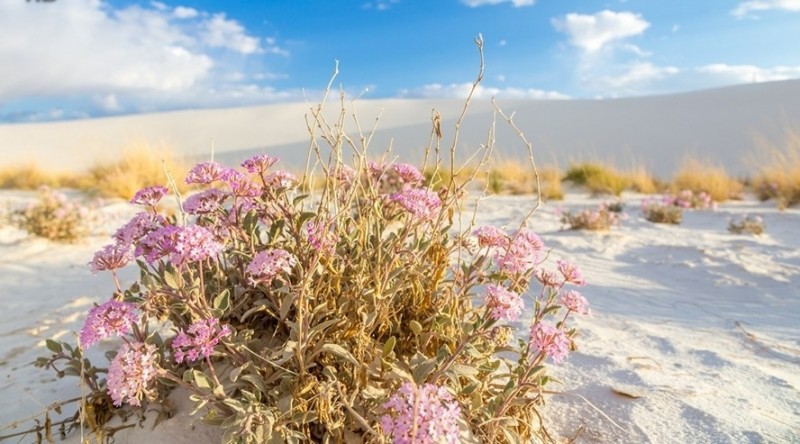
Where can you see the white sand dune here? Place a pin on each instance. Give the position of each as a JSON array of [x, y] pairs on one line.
[[719, 124], [694, 337]]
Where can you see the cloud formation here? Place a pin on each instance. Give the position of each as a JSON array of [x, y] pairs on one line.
[[593, 32], [461, 91], [515, 3], [123, 59], [746, 8]]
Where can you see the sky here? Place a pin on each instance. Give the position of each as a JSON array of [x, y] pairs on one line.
[[71, 59]]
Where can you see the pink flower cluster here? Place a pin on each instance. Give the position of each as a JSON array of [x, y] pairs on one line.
[[139, 226], [504, 304], [205, 173], [268, 264], [491, 236], [523, 252], [157, 243], [421, 415], [688, 199], [571, 272], [194, 244], [111, 257], [421, 203], [131, 372], [204, 202], [259, 163], [574, 301], [281, 179], [149, 196], [240, 183], [408, 174], [321, 237], [199, 340], [113, 318], [546, 338]]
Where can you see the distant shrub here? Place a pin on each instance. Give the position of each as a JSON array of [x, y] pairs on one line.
[[641, 181], [747, 224], [601, 219], [661, 211], [778, 175], [31, 177], [135, 169], [53, 216], [598, 179], [705, 177], [516, 177], [690, 199]]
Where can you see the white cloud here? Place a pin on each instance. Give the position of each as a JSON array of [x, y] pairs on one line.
[[121, 59], [593, 32], [380, 5], [515, 3], [183, 12], [224, 33], [746, 8], [461, 91], [639, 73], [749, 73]]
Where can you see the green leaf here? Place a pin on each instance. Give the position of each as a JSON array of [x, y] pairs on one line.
[[305, 216], [415, 327], [423, 370], [388, 346], [201, 380], [172, 277], [223, 301], [53, 346], [256, 380], [339, 351], [464, 370]]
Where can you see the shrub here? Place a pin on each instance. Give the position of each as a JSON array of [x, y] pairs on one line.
[[662, 211], [601, 219], [598, 179], [747, 224], [690, 199], [778, 176], [705, 177], [318, 318], [31, 177], [53, 217], [136, 168], [515, 177], [641, 181]]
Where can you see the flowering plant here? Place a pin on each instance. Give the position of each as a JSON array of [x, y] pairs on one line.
[[601, 219], [690, 199], [364, 311], [53, 216], [746, 224], [661, 211]]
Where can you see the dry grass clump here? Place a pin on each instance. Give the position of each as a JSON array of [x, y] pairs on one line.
[[598, 179], [641, 181], [706, 177], [31, 177], [778, 176], [662, 211], [135, 169], [747, 224], [516, 177]]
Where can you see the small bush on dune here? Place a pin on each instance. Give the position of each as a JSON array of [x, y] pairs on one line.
[[747, 224], [597, 178], [601, 219], [778, 175], [641, 181], [53, 216], [514, 177], [358, 313], [136, 168], [31, 177], [662, 211], [705, 177]]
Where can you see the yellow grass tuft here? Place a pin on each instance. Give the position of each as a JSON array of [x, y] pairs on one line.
[[31, 177], [640, 180], [778, 170], [704, 176], [597, 178], [136, 168], [517, 177]]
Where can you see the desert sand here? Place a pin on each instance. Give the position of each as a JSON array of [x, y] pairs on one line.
[[695, 332]]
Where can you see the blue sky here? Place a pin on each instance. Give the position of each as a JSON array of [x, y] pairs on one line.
[[68, 59]]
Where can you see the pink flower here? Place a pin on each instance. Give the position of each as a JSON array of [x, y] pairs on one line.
[[504, 304], [376, 169], [421, 203], [547, 278], [240, 184], [344, 173], [522, 254], [139, 226], [268, 264], [422, 415], [571, 272], [491, 236], [259, 163], [281, 179], [205, 202], [149, 196], [199, 340], [113, 318], [205, 173], [408, 174], [193, 244], [157, 244], [574, 301], [546, 338], [320, 237], [131, 372], [111, 257]]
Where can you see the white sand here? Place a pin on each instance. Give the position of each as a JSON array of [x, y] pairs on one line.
[[701, 326]]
